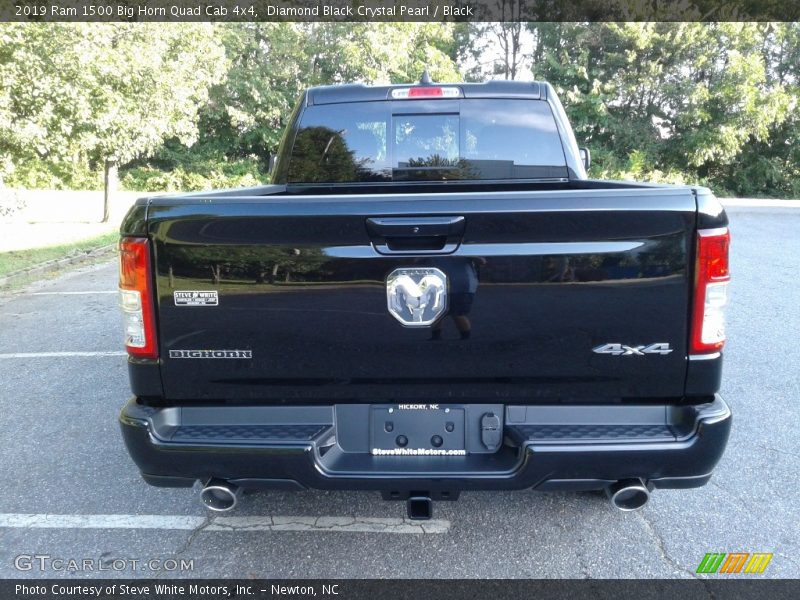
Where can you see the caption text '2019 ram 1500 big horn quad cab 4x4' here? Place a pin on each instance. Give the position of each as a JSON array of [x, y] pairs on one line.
[[431, 297]]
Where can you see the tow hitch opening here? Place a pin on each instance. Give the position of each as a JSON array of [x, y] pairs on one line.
[[419, 508]]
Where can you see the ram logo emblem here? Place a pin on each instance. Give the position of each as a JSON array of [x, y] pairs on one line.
[[416, 297]]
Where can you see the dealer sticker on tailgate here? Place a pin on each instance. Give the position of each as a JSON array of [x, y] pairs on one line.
[[196, 298]]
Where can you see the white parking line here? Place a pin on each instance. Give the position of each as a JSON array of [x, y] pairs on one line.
[[59, 354], [222, 523], [73, 293], [45, 521]]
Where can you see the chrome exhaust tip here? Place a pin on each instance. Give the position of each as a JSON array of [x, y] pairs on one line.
[[628, 494], [220, 496]]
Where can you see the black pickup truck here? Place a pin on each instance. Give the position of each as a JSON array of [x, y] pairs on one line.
[[431, 298]]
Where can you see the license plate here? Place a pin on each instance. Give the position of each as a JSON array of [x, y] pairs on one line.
[[417, 430]]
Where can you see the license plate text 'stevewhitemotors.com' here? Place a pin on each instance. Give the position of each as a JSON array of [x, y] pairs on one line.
[[417, 430]]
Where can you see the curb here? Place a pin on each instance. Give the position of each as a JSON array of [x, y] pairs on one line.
[[57, 264]]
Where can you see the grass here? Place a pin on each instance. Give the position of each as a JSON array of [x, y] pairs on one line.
[[18, 260]]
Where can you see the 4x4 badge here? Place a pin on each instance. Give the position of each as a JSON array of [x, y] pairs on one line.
[[623, 350]]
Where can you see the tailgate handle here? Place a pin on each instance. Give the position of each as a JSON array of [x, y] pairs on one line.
[[416, 235]]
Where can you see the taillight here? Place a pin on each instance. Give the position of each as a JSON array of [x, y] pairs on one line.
[[136, 298], [426, 91], [710, 291]]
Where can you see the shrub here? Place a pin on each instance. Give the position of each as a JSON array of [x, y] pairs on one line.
[[199, 175]]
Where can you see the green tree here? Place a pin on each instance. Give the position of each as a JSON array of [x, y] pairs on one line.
[[380, 52], [493, 48], [670, 99], [269, 66], [770, 165], [272, 63], [74, 94]]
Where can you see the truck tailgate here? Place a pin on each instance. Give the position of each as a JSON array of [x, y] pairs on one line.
[[578, 295]]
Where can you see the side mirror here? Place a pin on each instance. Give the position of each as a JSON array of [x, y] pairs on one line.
[[586, 157], [271, 167]]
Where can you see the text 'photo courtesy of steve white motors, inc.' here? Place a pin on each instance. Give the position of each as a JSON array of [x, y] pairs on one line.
[[178, 590], [168, 590]]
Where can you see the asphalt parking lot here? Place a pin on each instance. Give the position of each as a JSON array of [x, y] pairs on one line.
[[69, 490]]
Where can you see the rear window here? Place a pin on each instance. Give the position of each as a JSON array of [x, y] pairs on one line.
[[435, 140]]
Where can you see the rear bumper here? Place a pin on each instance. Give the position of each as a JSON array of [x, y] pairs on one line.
[[327, 447]]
